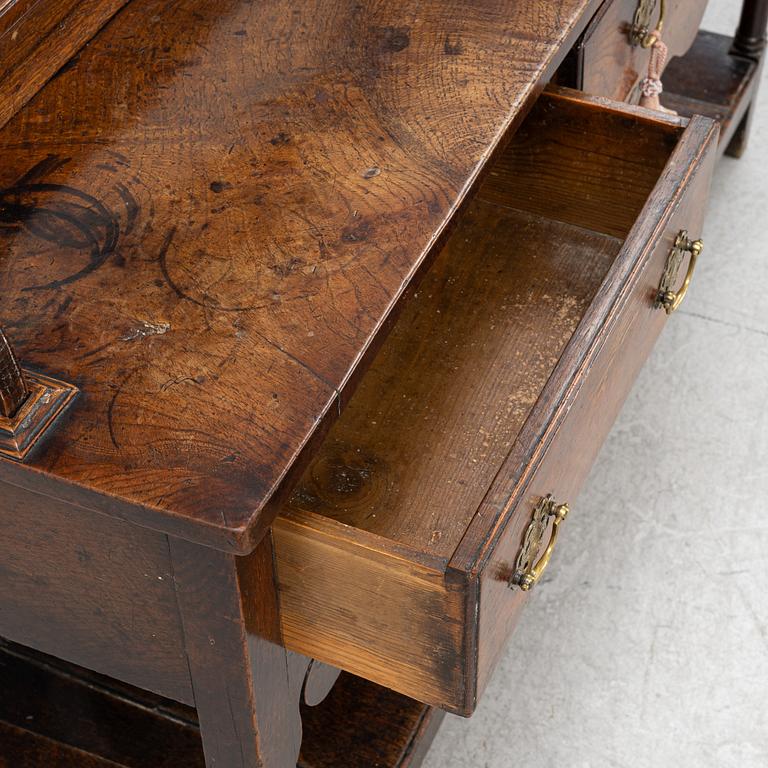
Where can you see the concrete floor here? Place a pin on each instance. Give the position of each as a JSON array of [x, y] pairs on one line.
[[648, 646]]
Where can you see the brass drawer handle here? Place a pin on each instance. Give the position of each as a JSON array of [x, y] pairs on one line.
[[640, 32], [527, 573], [666, 297]]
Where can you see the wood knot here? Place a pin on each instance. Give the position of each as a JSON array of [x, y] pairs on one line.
[[345, 483]]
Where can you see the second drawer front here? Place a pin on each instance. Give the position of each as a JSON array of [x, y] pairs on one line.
[[608, 64]]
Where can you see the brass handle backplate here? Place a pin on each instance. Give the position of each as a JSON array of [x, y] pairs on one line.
[[666, 297], [528, 570], [642, 33]]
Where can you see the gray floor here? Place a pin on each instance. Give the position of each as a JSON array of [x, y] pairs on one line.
[[648, 646]]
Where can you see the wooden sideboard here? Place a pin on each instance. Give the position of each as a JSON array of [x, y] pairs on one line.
[[316, 319]]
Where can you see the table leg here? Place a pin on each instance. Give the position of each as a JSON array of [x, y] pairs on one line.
[[246, 685], [750, 35], [749, 41]]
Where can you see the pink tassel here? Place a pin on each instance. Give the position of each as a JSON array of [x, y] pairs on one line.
[[650, 86]]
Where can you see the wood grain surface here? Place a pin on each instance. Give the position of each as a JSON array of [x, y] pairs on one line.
[[362, 725], [37, 37], [596, 394], [63, 710], [421, 440], [247, 687], [212, 231], [711, 80]]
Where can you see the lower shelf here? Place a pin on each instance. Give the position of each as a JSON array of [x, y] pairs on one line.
[[56, 715], [711, 81]]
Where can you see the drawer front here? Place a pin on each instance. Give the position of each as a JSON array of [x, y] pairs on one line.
[[608, 64], [589, 408]]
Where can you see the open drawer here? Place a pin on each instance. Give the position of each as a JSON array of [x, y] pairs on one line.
[[398, 553]]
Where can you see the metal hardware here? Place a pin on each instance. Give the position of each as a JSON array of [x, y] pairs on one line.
[[666, 297], [527, 572], [641, 32]]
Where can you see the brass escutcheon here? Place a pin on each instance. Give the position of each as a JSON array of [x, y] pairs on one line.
[[666, 297], [527, 570]]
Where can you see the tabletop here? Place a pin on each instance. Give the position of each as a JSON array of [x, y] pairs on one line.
[[208, 218]]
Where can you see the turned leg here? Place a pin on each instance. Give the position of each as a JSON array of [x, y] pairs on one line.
[[246, 686], [749, 42]]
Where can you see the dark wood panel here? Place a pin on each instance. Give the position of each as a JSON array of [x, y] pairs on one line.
[[90, 589], [37, 37], [361, 725], [586, 163], [230, 202], [60, 704], [247, 686], [22, 749]]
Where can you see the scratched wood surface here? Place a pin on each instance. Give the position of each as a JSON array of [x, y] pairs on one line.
[[206, 220], [90, 589], [39, 36]]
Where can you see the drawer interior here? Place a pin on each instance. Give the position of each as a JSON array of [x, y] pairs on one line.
[[430, 424]]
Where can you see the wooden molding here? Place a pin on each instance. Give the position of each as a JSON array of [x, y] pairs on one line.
[[47, 399]]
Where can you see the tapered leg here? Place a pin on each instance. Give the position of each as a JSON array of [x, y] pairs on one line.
[[246, 686]]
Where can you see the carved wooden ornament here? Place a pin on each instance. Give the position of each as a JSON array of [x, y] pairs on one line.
[[29, 404]]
